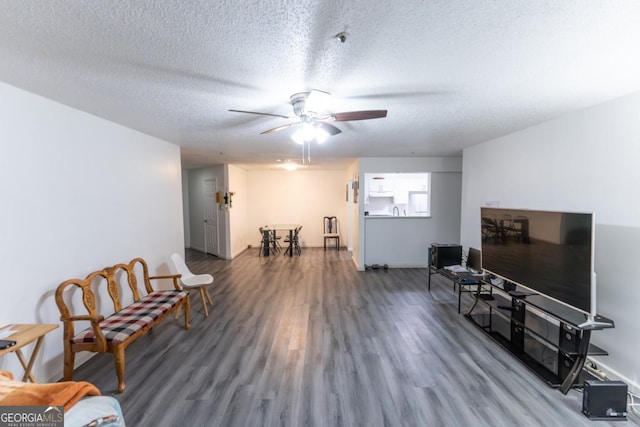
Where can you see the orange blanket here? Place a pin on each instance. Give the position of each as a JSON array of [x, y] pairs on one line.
[[67, 393]]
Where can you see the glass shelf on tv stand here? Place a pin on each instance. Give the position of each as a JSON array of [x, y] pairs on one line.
[[538, 327], [556, 310], [525, 324]]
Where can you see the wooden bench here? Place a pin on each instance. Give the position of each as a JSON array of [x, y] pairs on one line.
[[115, 332]]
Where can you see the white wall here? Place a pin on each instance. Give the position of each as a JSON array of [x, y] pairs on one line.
[[302, 197], [445, 191], [240, 234], [585, 161], [79, 193]]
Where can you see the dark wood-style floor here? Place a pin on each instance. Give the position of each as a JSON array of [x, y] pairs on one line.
[[309, 341]]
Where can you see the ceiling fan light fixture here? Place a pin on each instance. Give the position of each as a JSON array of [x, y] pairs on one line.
[[321, 135], [308, 132], [304, 133], [315, 121]]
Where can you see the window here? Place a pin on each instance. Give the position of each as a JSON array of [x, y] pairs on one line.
[[400, 194]]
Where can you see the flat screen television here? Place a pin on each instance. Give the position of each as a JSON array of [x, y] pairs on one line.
[[550, 253]]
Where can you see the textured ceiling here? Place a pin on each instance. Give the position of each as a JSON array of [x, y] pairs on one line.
[[451, 73]]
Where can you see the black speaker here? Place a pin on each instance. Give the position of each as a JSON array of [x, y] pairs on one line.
[[443, 255], [604, 400]]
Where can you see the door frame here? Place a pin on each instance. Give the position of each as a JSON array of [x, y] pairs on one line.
[[350, 206], [217, 224]]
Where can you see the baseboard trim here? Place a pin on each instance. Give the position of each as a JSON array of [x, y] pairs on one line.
[[58, 374], [612, 374], [241, 251], [403, 265]]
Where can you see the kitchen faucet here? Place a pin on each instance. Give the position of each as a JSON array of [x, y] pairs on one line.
[[396, 211]]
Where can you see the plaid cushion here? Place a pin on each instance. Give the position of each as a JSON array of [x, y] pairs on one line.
[[121, 325]]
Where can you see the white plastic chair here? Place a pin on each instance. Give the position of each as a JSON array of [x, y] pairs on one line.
[[190, 281]]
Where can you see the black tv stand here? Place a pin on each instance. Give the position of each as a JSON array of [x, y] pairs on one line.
[[529, 325], [521, 294]]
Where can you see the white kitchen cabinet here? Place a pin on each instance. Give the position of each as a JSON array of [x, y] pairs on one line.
[[401, 191], [381, 185], [419, 184], [407, 183]]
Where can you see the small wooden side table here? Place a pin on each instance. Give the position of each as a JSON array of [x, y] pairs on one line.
[[24, 335]]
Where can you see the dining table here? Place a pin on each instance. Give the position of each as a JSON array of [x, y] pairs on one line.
[[266, 231]]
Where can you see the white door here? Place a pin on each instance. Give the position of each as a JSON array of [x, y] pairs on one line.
[[210, 217]]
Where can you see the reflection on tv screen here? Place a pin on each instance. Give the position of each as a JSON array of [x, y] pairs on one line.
[[547, 252]]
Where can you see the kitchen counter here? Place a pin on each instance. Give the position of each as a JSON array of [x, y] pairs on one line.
[[401, 241]]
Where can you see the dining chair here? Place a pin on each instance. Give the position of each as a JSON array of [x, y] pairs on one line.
[[262, 241], [274, 240], [190, 281], [295, 243], [330, 227]]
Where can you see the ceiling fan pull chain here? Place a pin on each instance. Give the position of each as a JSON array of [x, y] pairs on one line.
[[306, 146], [303, 158]]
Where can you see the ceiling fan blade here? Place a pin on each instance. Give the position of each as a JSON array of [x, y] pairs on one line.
[[261, 114], [413, 94], [280, 128], [329, 128], [358, 115]]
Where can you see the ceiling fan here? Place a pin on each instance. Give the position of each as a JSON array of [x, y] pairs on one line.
[[314, 123]]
